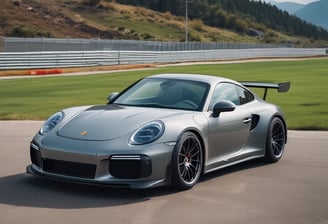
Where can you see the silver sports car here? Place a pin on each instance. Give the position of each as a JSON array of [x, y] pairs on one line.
[[165, 129]]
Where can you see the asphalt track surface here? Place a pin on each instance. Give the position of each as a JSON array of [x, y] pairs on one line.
[[294, 190]]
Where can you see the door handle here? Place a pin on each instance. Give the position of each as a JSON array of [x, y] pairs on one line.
[[247, 120]]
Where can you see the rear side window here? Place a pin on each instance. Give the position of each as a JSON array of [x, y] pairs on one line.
[[245, 96]]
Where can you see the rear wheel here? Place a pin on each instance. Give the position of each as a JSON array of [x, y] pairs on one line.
[[187, 161], [276, 140]]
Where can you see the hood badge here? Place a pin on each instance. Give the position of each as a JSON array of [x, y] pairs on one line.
[[83, 133]]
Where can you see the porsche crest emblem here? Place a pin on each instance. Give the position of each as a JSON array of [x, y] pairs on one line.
[[83, 133]]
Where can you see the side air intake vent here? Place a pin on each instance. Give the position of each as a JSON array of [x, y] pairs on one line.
[[255, 121]]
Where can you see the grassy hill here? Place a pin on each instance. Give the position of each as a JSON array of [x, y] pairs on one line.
[[110, 20], [72, 19]]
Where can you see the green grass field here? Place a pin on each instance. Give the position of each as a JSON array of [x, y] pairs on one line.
[[305, 105]]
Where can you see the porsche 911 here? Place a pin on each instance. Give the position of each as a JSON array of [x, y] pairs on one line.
[[165, 129]]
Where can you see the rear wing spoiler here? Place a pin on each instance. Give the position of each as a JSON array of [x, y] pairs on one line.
[[281, 87]]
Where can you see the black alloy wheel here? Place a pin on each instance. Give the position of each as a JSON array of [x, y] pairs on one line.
[[187, 161], [276, 140]]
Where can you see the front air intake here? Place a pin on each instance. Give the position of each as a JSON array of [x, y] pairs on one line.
[[35, 155], [130, 166]]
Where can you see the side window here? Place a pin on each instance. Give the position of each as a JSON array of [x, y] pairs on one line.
[[244, 95], [224, 91]]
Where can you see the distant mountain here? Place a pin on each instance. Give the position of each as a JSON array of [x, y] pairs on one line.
[[290, 7], [315, 13]]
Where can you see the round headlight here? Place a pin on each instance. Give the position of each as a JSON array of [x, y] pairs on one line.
[[148, 133], [52, 121]]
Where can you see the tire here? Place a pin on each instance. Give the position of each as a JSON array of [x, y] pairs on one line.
[[187, 162], [276, 140]]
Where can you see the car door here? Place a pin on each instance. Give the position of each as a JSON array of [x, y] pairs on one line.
[[228, 132]]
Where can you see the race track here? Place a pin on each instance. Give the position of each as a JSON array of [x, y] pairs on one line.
[[295, 190]]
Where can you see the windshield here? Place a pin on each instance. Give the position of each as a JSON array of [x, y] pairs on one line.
[[165, 93]]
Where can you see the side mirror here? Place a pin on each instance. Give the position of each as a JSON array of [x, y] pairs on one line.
[[112, 96], [223, 106]]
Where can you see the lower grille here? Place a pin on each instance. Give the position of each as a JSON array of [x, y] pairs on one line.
[[73, 169]]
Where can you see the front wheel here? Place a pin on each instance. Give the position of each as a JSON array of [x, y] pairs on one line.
[[276, 140], [187, 161]]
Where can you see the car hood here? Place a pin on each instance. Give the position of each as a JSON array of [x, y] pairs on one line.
[[99, 123]]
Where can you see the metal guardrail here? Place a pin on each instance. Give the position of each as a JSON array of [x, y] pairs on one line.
[[62, 59]]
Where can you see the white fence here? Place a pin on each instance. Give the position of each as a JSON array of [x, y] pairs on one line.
[[62, 59]]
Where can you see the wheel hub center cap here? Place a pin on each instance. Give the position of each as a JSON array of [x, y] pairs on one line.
[[187, 160]]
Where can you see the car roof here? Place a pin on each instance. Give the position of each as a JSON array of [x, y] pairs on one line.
[[194, 77]]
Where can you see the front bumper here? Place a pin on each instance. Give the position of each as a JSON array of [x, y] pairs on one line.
[[137, 168]]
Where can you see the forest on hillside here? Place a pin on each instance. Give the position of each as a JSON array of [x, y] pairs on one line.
[[236, 15]]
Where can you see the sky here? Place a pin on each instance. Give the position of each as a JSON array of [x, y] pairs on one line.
[[304, 2]]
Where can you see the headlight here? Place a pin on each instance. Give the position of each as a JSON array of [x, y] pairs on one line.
[[52, 121], [148, 133]]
